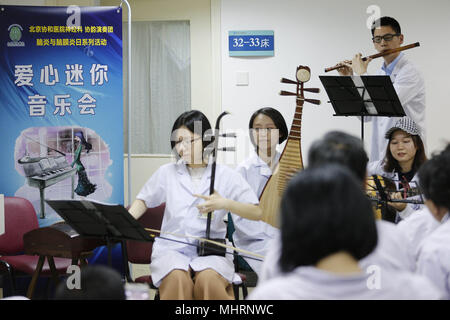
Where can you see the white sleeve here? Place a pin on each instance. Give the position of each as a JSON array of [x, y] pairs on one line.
[[409, 210], [271, 265], [375, 167], [408, 84], [153, 193], [239, 189], [430, 264]]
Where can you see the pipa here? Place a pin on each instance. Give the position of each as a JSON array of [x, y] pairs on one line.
[[291, 157]]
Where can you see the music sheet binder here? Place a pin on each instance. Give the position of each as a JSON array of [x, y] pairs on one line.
[[363, 96], [100, 220]]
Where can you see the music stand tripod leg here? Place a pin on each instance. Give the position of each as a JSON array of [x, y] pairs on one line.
[[35, 277], [362, 129]]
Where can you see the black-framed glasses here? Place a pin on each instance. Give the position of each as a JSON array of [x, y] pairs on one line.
[[386, 37]]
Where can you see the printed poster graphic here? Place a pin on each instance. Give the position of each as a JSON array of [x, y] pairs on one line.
[[61, 105]]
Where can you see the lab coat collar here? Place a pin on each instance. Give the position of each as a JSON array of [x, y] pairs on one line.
[[186, 180], [402, 60], [257, 162]]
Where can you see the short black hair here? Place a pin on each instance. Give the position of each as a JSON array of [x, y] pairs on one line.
[[325, 211], [277, 119], [386, 22], [97, 282], [342, 148], [191, 119], [434, 178]]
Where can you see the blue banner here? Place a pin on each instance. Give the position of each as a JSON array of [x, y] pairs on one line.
[[61, 104]]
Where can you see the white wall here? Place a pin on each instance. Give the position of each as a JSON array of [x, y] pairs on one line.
[[319, 34], [202, 15]]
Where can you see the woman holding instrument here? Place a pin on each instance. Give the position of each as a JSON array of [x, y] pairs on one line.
[[176, 268], [267, 131], [403, 157], [407, 81]]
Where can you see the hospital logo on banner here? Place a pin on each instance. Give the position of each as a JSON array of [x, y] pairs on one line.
[[15, 34]]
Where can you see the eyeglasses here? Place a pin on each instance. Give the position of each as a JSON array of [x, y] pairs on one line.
[[259, 130], [386, 37], [186, 142]]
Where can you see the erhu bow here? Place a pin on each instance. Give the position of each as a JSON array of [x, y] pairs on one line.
[[291, 158]]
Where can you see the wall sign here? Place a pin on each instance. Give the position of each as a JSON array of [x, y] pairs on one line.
[[251, 43]]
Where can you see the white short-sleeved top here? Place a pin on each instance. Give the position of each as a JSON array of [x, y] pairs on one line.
[[172, 184]]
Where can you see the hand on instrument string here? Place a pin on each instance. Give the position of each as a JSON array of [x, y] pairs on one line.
[[347, 69], [358, 65], [399, 206], [212, 202]]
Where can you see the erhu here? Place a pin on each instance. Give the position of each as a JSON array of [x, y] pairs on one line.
[[377, 55], [291, 158], [206, 248]]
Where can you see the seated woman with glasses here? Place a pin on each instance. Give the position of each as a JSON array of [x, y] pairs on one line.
[[327, 226], [176, 268], [408, 82]]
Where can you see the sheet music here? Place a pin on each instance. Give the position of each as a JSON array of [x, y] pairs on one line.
[[370, 107]]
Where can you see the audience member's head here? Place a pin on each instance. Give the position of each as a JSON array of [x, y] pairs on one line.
[[324, 211], [340, 148], [434, 177], [96, 283]]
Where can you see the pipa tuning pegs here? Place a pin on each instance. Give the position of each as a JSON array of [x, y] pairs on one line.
[[284, 80]]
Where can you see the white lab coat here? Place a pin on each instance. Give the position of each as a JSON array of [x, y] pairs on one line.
[[376, 167], [309, 283], [252, 235], [271, 266], [410, 88], [390, 253], [173, 185], [434, 257], [416, 228]]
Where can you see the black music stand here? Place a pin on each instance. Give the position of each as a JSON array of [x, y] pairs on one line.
[[99, 220], [363, 96]]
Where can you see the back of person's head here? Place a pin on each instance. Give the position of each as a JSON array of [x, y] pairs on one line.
[[96, 283], [434, 178], [387, 22], [340, 148], [325, 211]]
